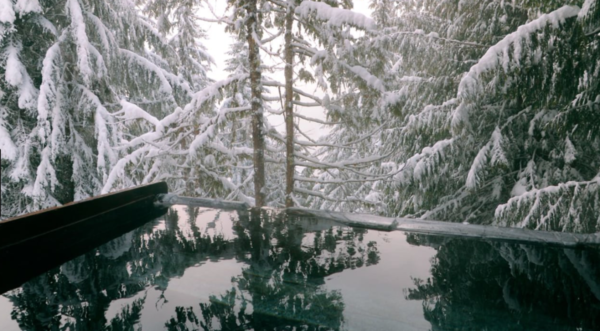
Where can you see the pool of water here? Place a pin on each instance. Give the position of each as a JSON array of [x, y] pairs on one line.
[[206, 269]]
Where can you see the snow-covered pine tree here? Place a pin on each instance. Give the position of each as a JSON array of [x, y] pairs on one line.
[[206, 147], [421, 56], [517, 145], [67, 68], [351, 69], [319, 31], [273, 25]]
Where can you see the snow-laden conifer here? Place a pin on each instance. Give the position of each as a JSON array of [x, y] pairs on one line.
[[67, 70], [518, 113]]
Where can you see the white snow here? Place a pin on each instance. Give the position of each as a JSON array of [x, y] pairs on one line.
[[48, 87], [46, 24], [129, 111], [335, 16], [452, 229], [102, 119], [165, 87], [46, 176], [478, 163], [519, 188], [17, 76], [371, 80], [491, 58], [7, 146], [493, 150], [78, 24], [497, 151], [27, 6], [421, 164], [7, 13], [570, 151], [14, 67], [585, 9]]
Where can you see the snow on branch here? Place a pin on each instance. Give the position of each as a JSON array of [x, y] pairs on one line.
[[27, 6], [492, 152], [7, 13], [316, 120], [7, 146], [16, 75], [46, 176], [130, 112], [316, 163], [83, 44], [335, 16], [48, 95], [211, 91], [321, 195], [363, 73], [499, 55], [420, 165], [563, 207], [432, 35], [103, 121], [296, 90], [495, 54], [118, 171], [165, 87]]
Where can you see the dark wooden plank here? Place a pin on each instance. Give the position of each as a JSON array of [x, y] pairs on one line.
[[34, 243], [24, 227]]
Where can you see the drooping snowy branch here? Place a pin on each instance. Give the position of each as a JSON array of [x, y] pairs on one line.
[[334, 16]]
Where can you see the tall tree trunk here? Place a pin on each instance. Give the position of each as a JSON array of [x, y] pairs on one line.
[[289, 109], [258, 138]]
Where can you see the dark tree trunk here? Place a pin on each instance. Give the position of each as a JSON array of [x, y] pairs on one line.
[[258, 138], [289, 109]]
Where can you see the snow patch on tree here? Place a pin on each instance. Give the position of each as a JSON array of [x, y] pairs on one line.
[[334, 16], [7, 12], [27, 6], [570, 151], [7, 146], [470, 83]]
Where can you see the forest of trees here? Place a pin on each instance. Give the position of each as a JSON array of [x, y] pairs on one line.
[[472, 111]]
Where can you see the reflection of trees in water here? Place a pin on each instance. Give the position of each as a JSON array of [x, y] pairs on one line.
[[279, 288], [501, 286]]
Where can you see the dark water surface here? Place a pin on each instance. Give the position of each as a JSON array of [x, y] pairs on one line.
[[204, 269]]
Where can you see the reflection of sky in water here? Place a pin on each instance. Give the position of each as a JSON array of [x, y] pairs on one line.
[[372, 295], [308, 272], [196, 285], [6, 323]]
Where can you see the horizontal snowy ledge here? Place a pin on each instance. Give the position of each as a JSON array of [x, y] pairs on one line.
[[458, 230], [418, 226]]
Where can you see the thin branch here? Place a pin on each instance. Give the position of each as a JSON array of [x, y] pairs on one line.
[[316, 120]]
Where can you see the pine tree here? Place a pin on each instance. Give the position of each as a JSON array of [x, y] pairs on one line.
[[502, 138], [75, 76]]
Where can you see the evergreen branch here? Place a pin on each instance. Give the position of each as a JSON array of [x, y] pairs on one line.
[[324, 197], [316, 120], [342, 165]]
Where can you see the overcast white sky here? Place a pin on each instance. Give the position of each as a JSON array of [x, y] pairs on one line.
[[218, 44]]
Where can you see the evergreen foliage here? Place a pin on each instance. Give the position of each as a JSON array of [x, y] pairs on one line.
[[470, 111], [76, 75], [488, 111]]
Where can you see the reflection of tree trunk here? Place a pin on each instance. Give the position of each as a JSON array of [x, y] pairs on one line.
[[289, 110], [584, 271], [257, 114]]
